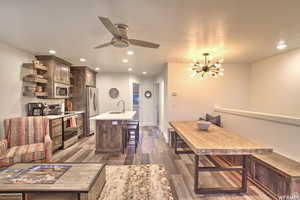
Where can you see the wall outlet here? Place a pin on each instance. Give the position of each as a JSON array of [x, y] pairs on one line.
[[174, 94]]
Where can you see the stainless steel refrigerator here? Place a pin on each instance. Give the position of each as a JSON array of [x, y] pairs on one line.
[[92, 109]]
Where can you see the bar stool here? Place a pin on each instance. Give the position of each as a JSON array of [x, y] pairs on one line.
[[133, 126]]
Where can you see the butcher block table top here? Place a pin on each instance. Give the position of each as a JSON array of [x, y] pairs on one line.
[[216, 141]]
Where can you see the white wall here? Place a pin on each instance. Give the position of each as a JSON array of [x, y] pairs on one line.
[[275, 84], [106, 81], [123, 82], [270, 85], [195, 97], [148, 114], [12, 102], [283, 138], [274, 89], [162, 80]]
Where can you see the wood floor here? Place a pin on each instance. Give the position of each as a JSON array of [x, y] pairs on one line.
[[153, 149]]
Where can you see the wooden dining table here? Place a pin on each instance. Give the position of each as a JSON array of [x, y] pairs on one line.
[[216, 141]]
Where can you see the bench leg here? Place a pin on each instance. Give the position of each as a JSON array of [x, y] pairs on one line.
[[198, 169]]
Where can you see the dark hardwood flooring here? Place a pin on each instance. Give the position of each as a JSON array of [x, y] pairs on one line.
[[152, 149]]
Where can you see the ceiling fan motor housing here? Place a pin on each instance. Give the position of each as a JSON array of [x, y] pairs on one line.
[[120, 42]]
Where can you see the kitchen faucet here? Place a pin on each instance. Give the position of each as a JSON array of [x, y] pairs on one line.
[[123, 110]]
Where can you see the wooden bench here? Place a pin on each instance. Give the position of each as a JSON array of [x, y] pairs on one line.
[[276, 175]]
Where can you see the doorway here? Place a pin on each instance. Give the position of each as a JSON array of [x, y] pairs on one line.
[[136, 100]]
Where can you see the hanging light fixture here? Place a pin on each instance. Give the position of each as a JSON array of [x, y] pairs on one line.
[[203, 70]]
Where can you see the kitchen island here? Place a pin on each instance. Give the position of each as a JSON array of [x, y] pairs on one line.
[[111, 128]]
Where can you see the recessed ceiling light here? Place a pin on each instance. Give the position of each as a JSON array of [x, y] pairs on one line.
[[130, 52], [125, 61], [97, 68], [52, 51], [130, 69], [82, 59], [144, 73], [281, 46]]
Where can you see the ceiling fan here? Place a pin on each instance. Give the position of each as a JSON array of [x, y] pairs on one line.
[[120, 38]]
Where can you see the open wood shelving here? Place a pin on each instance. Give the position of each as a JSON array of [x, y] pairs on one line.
[[37, 81]]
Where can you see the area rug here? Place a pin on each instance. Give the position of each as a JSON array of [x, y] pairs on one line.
[[136, 182]]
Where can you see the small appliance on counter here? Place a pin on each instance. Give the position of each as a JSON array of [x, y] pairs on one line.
[[54, 109], [36, 109]]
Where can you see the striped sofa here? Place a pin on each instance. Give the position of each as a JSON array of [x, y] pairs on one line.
[[26, 140]]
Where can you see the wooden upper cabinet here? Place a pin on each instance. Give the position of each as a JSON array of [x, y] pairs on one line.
[[62, 73], [90, 77], [58, 72]]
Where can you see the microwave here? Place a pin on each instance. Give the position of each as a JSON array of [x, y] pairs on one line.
[[61, 91]]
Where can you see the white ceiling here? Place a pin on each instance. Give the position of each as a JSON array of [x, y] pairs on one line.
[[241, 31]]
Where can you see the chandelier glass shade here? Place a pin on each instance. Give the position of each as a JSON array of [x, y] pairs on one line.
[[202, 70]]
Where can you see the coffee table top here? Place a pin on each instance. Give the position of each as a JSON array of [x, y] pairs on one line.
[[79, 178]]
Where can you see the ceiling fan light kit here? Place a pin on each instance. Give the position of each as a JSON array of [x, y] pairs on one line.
[[120, 38], [202, 70]]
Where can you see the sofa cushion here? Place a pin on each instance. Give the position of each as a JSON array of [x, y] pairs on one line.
[[26, 153]]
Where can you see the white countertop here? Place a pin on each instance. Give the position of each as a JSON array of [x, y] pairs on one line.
[[127, 115], [64, 114]]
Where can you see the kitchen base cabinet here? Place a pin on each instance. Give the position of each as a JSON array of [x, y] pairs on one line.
[[110, 136], [56, 132], [80, 125]]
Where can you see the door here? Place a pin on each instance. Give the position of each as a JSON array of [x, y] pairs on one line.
[[136, 100]]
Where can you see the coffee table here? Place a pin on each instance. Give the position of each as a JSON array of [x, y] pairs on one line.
[[83, 181]]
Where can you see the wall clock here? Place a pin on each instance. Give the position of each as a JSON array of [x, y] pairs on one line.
[[114, 93], [148, 94]]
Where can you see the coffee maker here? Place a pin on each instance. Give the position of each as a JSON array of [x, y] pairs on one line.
[[36, 109]]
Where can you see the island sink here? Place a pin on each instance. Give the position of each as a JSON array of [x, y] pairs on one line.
[[115, 112]]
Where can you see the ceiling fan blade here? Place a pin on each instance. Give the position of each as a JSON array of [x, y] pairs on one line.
[[103, 45], [110, 26], [143, 43]]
